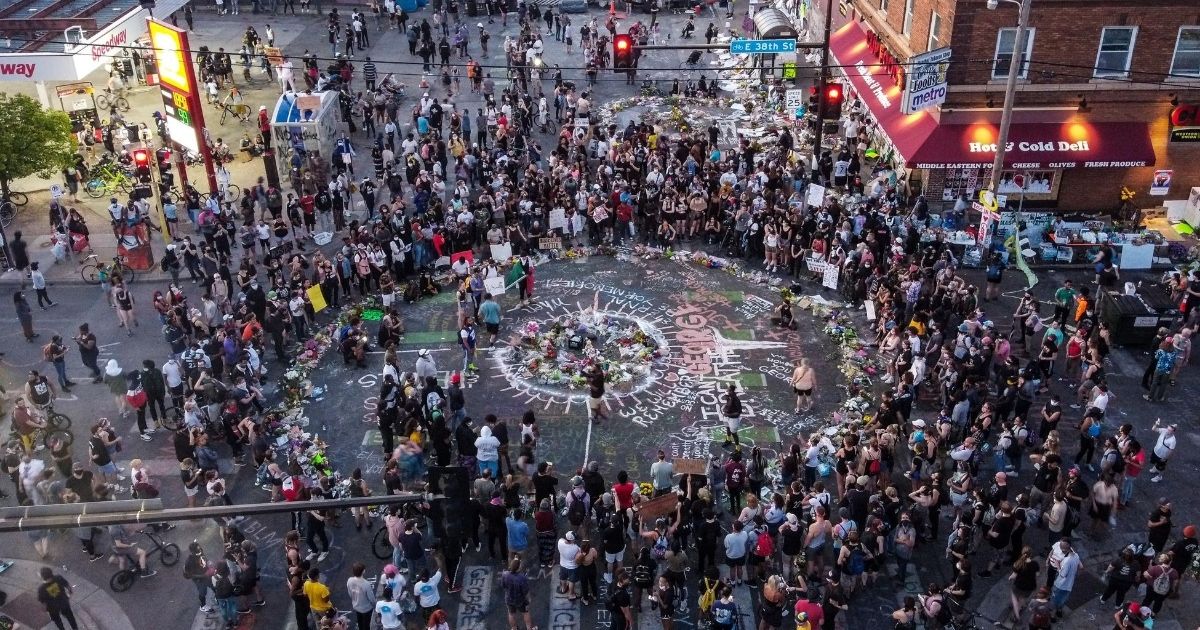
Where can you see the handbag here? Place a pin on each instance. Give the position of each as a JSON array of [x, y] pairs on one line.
[[136, 398]]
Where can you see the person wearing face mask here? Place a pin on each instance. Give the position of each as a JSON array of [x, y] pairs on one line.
[[256, 299]]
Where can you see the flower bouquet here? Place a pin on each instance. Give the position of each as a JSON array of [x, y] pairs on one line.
[[645, 489]]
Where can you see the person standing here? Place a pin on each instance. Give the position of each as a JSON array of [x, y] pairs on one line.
[[89, 352], [55, 594], [56, 353], [596, 393], [619, 603], [362, 596], [804, 380], [24, 315], [731, 413], [489, 314], [123, 300], [1064, 581], [1163, 448], [38, 281], [516, 593]]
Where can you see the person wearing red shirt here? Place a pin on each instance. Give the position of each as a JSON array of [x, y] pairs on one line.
[[624, 218], [623, 491], [812, 606]]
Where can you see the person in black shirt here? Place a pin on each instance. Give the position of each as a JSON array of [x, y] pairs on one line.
[[619, 602], [80, 482], [55, 594], [545, 482], [1159, 525]]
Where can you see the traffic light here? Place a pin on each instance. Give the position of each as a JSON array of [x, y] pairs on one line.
[[833, 97], [622, 53], [162, 157], [141, 165]]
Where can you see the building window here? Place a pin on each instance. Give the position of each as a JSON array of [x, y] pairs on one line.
[[1186, 61], [883, 5], [908, 17], [1116, 51], [935, 30], [1005, 42]]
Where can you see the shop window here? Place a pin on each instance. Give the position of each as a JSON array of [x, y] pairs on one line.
[[1186, 61], [908, 17], [935, 30], [1005, 42], [1116, 51]]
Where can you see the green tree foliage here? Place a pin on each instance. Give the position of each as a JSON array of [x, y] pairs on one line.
[[33, 140]]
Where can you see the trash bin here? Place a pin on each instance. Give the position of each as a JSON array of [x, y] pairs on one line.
[[1134, 319]]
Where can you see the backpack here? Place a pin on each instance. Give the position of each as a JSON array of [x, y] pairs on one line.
[[764, 547], [857, 562], [1041, 617], [1094, 430], [48, 352], [1162, 583], [708, 596], [577, 511]]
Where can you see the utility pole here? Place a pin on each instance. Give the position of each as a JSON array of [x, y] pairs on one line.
[[1010, 87], [824, 73]]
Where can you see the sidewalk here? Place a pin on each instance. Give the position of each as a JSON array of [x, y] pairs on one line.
[[94, 608]]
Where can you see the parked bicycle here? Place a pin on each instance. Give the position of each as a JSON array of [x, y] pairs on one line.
[[173, 194], [107, 179], [109, 99], [91, 268], [122, 580]]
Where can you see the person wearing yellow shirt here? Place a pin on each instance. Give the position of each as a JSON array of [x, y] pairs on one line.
[[317, 593]]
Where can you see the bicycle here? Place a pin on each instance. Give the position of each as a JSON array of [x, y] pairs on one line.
[[90, 268], [174, 195], [109, 99], [8, 212], [108, 181], [240, 111], [122, 580], [58, 426]]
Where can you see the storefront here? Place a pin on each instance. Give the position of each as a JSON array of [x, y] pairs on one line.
[[945, 155], [77, 62]]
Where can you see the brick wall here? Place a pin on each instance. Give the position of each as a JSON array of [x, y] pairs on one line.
[[1068, 32], [889, 23]]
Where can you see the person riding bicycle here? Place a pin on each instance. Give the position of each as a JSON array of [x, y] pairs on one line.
[[123, 549], [27, 423]]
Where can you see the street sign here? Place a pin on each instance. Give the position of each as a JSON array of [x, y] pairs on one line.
[[762, 46], [794, 99]]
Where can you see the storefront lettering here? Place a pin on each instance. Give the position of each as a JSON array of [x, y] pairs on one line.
[[891, 65], [102, 50], [1113, 164], [1062, 164], [873, 85], [24, 69], [984, 147]]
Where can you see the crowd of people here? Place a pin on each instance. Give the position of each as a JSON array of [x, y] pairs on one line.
[[981, 452]]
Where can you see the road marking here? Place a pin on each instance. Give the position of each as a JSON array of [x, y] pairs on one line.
[[564, 613], [474, 603], [587, 445]]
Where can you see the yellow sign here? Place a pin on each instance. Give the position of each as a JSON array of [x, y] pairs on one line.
[[987, 199], [167, 43], [317, 298]]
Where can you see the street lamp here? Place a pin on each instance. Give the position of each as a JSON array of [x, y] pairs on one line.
[[1010, 88]]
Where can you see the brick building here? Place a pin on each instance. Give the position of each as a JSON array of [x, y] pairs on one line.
[[1100, 84]]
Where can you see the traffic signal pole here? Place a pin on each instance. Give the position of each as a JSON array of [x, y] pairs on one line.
[[821, 81]]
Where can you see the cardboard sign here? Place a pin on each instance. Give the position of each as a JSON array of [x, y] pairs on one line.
[[816, 195], [274, 55], [558, 219], [655, 508], [317, 298], [502, 251], [599, 215], [690, 466], [830, 279], [495, 286], [549, 243]]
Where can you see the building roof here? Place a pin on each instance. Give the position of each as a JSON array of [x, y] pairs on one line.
[[38, 25]]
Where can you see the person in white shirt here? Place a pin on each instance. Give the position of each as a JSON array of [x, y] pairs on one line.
[[1163, 448], [389, 613], [426, 590], [1064, 581], [567, 550]]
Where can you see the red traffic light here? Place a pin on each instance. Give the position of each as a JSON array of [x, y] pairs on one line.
[[623, 53], [141, 157], [622, 43], [833, 92]]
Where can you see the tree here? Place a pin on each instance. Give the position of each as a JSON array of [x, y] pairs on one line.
[[33, 140]]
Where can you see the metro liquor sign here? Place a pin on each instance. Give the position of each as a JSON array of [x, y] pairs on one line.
[[926, 85]]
